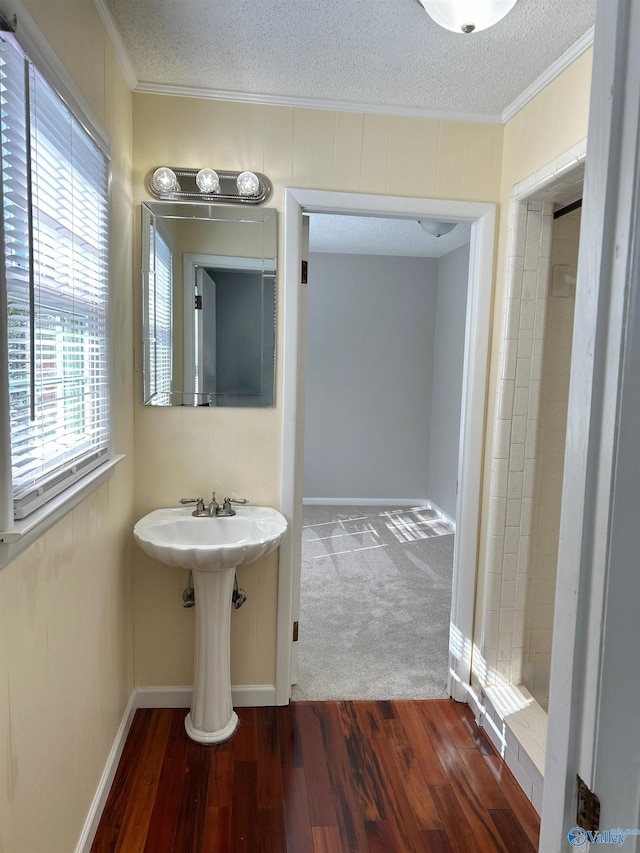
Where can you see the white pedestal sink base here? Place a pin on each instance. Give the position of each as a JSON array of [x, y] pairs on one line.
[[211, 547], [211, 737], [212, 718]]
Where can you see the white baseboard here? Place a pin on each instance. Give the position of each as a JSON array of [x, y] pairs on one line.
[[422, 502], [514, 748], [243, 696], [443, 515], [365, 501], [106, 780]]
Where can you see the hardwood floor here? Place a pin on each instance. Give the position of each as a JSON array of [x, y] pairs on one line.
[[318, 777]]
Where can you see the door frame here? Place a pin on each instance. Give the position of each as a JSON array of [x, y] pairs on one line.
[[482, 217], [593, 716]]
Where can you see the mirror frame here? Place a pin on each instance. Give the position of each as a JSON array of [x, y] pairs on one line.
[[155, 337]]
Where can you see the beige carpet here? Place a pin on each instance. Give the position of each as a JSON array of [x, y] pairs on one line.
[[375, 603]]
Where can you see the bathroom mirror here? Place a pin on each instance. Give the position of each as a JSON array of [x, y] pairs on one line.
[[209, 304]]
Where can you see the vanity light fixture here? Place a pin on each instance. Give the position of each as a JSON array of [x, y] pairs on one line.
[[173, 184], [467, 16]]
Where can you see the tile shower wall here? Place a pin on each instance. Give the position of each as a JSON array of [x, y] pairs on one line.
[[513, 467], [512, 501], [552, 424]]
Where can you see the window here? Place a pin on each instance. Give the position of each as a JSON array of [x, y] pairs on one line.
[[55, 211], [158, 314]]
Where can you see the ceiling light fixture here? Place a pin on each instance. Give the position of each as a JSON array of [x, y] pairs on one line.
[[208, 185], [436, 229], [467, 16]]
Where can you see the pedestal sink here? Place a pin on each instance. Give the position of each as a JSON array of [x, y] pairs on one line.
[[212, 548]]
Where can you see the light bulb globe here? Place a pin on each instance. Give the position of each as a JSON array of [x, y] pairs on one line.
[[165, 179], [247, 183], [208, 181]]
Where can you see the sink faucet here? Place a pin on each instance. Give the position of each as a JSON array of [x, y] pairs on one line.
[[202, 511], [213, 509]]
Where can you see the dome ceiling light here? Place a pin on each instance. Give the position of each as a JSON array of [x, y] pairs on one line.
[[467, 16], [436, 229]]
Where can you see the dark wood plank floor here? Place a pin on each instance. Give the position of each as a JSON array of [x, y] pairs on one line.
[[318, 777]]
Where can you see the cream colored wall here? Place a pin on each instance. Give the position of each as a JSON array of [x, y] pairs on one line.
[[187, 451], [65, 639], [549, 125]]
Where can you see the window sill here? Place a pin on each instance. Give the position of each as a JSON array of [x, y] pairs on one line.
[[24, 533]]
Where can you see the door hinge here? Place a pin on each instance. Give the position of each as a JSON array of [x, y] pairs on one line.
[[295, 632], [588, 808], [198, 302], [303, 272]]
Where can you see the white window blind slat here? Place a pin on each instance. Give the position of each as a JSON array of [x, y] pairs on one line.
[[160, 315], [57, 283]]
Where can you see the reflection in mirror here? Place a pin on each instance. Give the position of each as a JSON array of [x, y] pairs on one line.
[[208, 275]]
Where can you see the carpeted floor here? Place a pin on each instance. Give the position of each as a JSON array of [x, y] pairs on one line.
[[375, 603]]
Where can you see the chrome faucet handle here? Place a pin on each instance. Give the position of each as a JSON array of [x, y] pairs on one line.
[[226, 505], [199, 502]]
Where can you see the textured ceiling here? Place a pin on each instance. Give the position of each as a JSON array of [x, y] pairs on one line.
[[366, 235], [386, 54]]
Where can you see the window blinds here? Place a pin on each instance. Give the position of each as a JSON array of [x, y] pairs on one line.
[[161, 314], [55, 232]]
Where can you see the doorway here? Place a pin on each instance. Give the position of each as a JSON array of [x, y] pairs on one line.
[[482, 219], [383, 383], [512, 661]]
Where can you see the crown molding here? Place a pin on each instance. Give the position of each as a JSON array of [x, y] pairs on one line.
[[116, 43], [554, 70], [311, 103]]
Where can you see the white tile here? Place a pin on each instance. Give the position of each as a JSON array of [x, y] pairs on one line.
[[499, 478], [508, 598], [497, 515], [515, 485], [493, 591], [529, 284], [529, 482], [525, 343], [514, 509], [502, 439], [521, 400], [511, 540], [495, 552], [522, 779], [527, 313], [506, 620], [509, 358], [512, 321], [506, 389], [516, 457], [518, 428], [536, 800], [524, 549]]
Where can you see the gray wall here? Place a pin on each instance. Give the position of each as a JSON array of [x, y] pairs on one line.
[[371, 338], [447, 379]]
